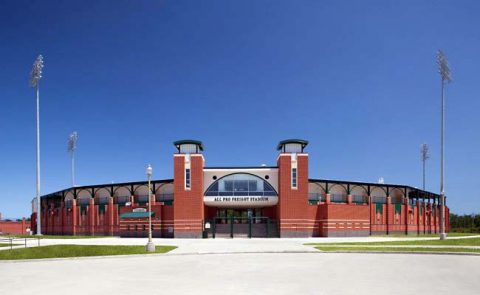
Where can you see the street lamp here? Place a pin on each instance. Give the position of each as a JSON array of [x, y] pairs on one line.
[[72, 146], [35, 76], [444, 71], [424, 156], [150, 247]]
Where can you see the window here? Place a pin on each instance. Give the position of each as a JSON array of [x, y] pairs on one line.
[[240, 184], [294, 177], [187, 178], [144, 227]]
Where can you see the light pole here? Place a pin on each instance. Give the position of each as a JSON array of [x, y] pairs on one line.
[[35, 76], [444, 71], [424, 156], [150, 247], [72, 146]]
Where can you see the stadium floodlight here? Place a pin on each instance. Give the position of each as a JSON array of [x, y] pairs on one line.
[[444, 71], [424, 155], [35, 76], [72, 146], [150, 247]]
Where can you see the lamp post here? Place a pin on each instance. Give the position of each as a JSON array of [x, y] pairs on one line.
[[150, 247], [35, 76], [424, 156], [72, 146], [444, 71]]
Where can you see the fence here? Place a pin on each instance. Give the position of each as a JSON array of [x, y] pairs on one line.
[[15, 241]]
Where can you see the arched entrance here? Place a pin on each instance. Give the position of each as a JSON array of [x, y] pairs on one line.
[[241, 205]]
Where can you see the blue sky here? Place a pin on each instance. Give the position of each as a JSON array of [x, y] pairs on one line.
[[358, 80]]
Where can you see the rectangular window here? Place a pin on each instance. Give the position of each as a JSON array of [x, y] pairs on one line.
[[187, 178], [294, 177]]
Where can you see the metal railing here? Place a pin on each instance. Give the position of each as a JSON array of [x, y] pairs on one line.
[[164, 197], [16, 241], [396, 200], [379, 200], [316, 197], [359, 199], [338, 198]]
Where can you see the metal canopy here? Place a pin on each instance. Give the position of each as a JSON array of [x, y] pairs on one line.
[[198, 143], [302, 142]]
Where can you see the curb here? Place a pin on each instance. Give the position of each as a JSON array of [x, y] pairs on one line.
[[403, 252], [168, 254]]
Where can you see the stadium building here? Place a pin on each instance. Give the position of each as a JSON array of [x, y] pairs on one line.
[[209, 202]]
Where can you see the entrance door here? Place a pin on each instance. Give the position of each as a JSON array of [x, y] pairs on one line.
[[246, 223]]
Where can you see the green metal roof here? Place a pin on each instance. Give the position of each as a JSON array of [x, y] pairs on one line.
[[287, 141], [137, 214], [188, 141]]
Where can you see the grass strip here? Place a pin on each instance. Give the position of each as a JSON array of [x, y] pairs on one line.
[[61, 251], [447, 242], [392, 249], [426, 235]]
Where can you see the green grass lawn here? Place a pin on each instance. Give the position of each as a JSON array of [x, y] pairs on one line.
[[448, 242], [4, 245], [393, 249], [61, 251], [52, 237], [426, 235]]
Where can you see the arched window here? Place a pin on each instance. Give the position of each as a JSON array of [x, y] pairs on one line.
[[240, 184]]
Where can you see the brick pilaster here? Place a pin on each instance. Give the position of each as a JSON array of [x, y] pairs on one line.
[[91, 216]]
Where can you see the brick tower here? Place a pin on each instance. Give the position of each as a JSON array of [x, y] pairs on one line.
[[293, 188], [188, 212]]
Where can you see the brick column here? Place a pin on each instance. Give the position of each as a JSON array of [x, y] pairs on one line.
[[424, 216], [153, 199], [110, 221], [24, 224], [63, 217], [389, 202], [91, 216], [74, 217], [327, 199], [369, 200], [349, 199], [407, 213], [418, 216]]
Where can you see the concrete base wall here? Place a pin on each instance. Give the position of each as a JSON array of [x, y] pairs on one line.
[[348, 233], [295, 234], [188, 234]]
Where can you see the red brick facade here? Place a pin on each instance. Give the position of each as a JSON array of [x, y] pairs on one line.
[[14, 227], [336, 209]]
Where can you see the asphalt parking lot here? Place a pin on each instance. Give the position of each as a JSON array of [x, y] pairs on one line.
[[246, 273]]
